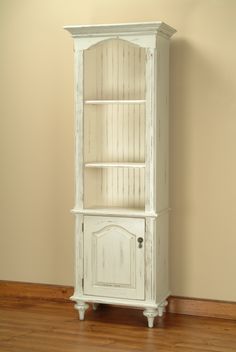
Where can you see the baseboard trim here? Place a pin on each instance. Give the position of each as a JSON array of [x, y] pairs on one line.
[[15, 289], [202, 307], [178, 305]]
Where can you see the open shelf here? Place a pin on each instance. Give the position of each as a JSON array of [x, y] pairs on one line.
[[114, 128], [109, 187], [114, 164], [114, 133], [98, 102]]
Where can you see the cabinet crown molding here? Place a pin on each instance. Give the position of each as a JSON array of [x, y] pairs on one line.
[[145, 28]]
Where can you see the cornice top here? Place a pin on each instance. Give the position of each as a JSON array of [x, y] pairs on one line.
[[143, 28]]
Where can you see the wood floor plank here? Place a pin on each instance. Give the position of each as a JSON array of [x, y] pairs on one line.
[[41, 326]]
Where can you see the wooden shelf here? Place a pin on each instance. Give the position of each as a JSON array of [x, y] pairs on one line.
[[115, 211], [99, 102], [114, 164]]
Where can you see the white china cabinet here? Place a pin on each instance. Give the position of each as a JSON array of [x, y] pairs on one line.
[[121, 157]]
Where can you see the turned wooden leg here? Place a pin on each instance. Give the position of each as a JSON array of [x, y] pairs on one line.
[[81, 307], [162, 308], [150, 314], [95, 306]]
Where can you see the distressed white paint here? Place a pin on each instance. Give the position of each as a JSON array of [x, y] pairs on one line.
[[79, 146], [113, 258], [99, 102], [115, 211], [81, 306], [151, 88], [162, 256], [139, 28], [162, 308], [79, 254], [114, 125], [150, 259], [113, 164], [116, 301], [114, 187], [150, 314], [162, 122], [121, 90]]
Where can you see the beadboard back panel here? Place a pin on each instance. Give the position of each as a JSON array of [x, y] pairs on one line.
[[114, 132], [114, 124], [114, 69], [114, 187]]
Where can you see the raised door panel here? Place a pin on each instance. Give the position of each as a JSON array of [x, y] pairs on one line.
[[113, 258]]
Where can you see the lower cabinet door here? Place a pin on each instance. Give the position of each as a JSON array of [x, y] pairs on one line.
[[114, 257]]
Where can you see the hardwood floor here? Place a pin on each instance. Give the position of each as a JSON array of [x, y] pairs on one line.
[[30, 325]]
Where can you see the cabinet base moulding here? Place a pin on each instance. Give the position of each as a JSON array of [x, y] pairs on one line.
[[138, 304]]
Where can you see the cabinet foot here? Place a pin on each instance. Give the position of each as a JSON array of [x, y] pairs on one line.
[[150, 314], [81, 307], [162, 308], [95, 306]]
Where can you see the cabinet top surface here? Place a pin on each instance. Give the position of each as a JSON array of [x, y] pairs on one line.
[[121, 28]]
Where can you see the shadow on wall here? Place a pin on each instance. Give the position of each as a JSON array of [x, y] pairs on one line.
[[195, 106], [179, 157]]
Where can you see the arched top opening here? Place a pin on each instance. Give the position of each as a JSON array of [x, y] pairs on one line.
[[98, 42], [114, 69]]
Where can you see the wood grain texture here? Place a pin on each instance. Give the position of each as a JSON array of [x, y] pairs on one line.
[[202, 307], [179, 305], [27, 326], [35, 291]]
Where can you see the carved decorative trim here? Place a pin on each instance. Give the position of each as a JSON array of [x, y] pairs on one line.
[[107, 228]]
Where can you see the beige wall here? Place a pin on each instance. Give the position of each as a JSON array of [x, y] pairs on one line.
[[36, 178]]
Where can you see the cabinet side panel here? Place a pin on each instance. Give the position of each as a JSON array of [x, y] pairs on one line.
[[162, 136], [162, 257], [79, 150], [150, 260], [79, 254], [150, 158]]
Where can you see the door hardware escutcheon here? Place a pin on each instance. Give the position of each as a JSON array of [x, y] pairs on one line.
[[140, 241]]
